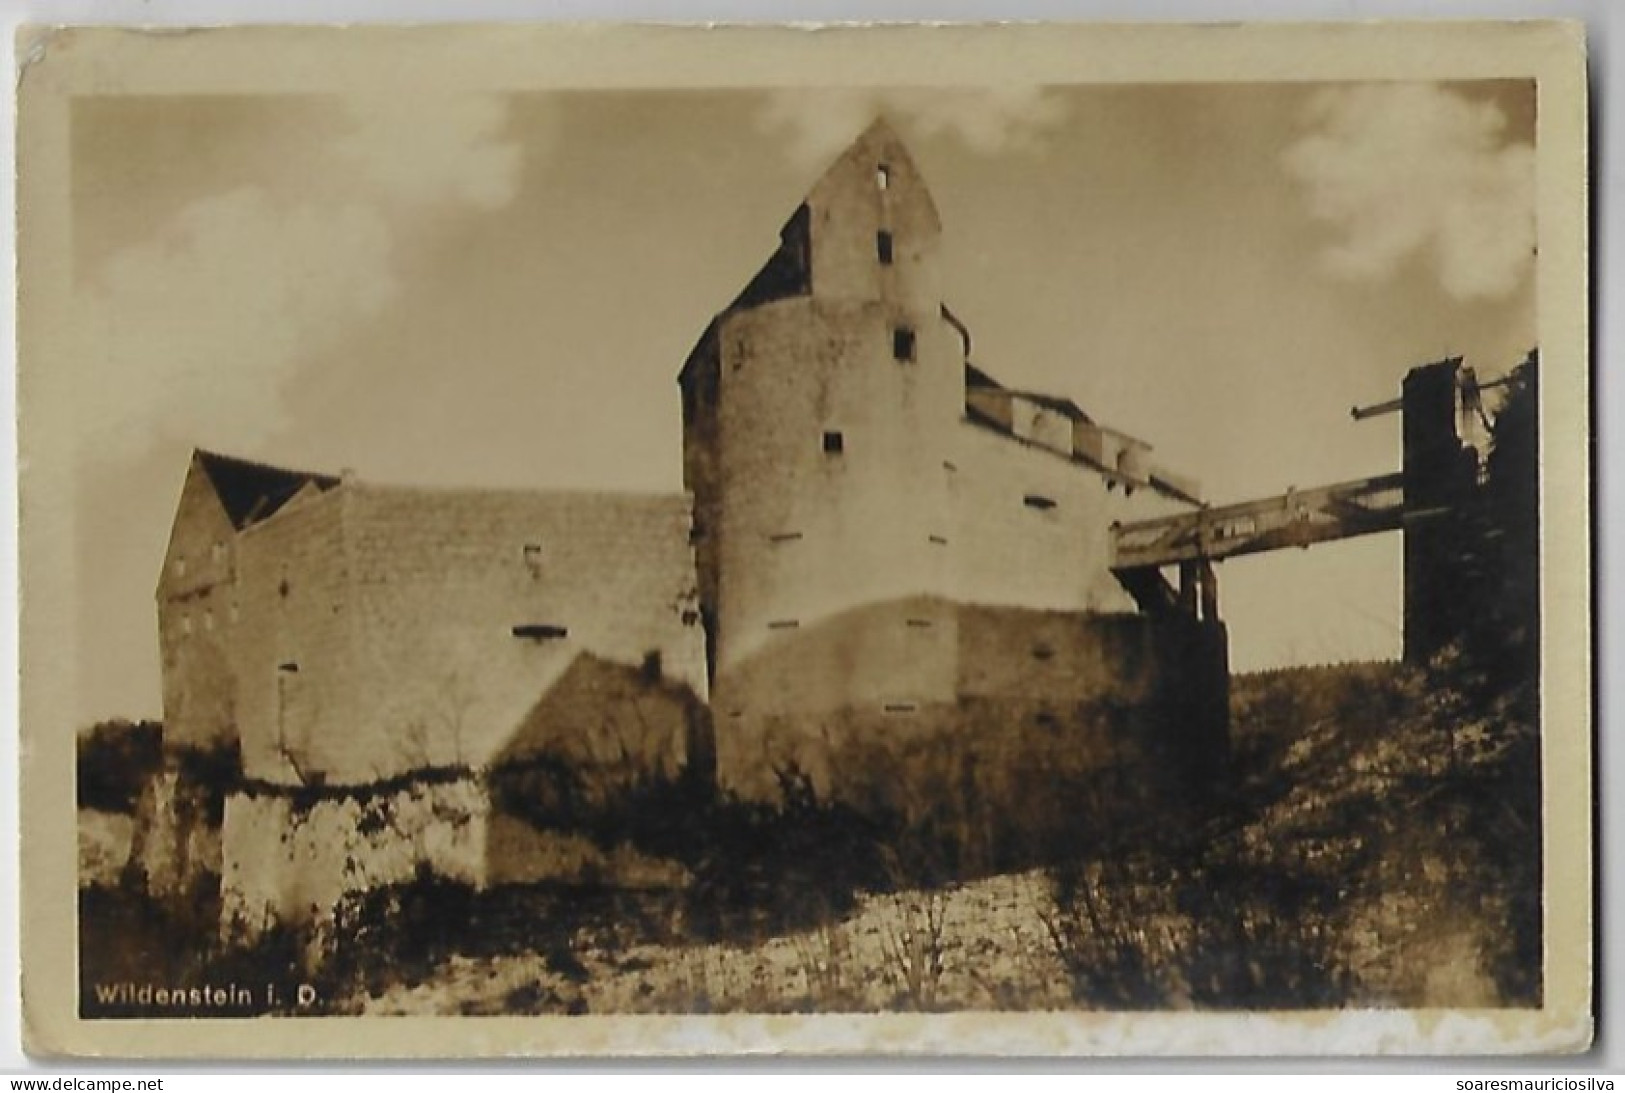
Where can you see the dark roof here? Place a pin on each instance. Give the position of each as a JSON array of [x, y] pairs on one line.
[[977, 378], [251, 492]]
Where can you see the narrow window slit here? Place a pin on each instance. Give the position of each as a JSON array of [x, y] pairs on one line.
[[540, 631]]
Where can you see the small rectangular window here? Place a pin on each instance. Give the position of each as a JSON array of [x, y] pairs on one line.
[[882, 177], [938, 540], [920, 624], [784, 624], [532, 554], [883, 247], [902, 343], [1038, 501], [901, 707], [834, 442], [784, 537], [539, 631]]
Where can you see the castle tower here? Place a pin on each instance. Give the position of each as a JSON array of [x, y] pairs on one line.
[[819, 412]]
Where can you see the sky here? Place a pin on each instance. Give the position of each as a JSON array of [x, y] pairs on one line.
[[499, 290]]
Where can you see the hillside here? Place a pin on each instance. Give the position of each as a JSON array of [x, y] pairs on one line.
[[1377, 846]]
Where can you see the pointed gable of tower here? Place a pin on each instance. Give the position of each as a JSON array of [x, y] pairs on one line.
[[873, 226]]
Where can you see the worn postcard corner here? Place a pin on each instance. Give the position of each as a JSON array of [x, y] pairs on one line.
[[651, 541]]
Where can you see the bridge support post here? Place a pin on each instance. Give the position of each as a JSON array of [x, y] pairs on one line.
[[1189, 577], [1207, 580], [1440, 474]]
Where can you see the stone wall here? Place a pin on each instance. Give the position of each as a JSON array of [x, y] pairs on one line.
[[292, 859], [293, 645], [1144, 698], [473, 606], [296, 858], [197, 612], [875, 187], [811, 527], [385, 629], [1030, 713], [888, 667], [1033, 529]]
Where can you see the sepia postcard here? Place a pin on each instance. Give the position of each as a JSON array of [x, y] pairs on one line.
[[615, 540]]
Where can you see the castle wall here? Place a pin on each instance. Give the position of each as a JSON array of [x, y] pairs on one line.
[[702, 472], [293, 646], [442, 579], [1144, 696], [1055, 721], [889, 666], [1031, 528], [196, 620], [386, 639], [804, 532]]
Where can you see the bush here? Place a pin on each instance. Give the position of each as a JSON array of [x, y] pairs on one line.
[[114, 760]]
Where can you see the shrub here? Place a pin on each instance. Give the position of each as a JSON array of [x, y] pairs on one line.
[[114, 760]]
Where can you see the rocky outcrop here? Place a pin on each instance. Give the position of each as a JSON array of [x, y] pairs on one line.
[[175, 845]]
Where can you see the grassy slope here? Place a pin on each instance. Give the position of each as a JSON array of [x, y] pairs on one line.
[[1377, 845], [1376, 848]]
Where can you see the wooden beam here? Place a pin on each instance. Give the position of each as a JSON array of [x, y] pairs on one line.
[[1295, 518]]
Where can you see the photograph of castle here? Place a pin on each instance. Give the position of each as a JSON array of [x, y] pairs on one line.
[[759, 550]]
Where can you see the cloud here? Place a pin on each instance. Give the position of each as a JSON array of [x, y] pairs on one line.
[[195, 331], [988, 121], [1406, 170], [433, 150]]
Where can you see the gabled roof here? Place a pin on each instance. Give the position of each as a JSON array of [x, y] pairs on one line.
[[251, 492]]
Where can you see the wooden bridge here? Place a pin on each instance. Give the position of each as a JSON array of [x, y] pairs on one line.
[[1439, 473]]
